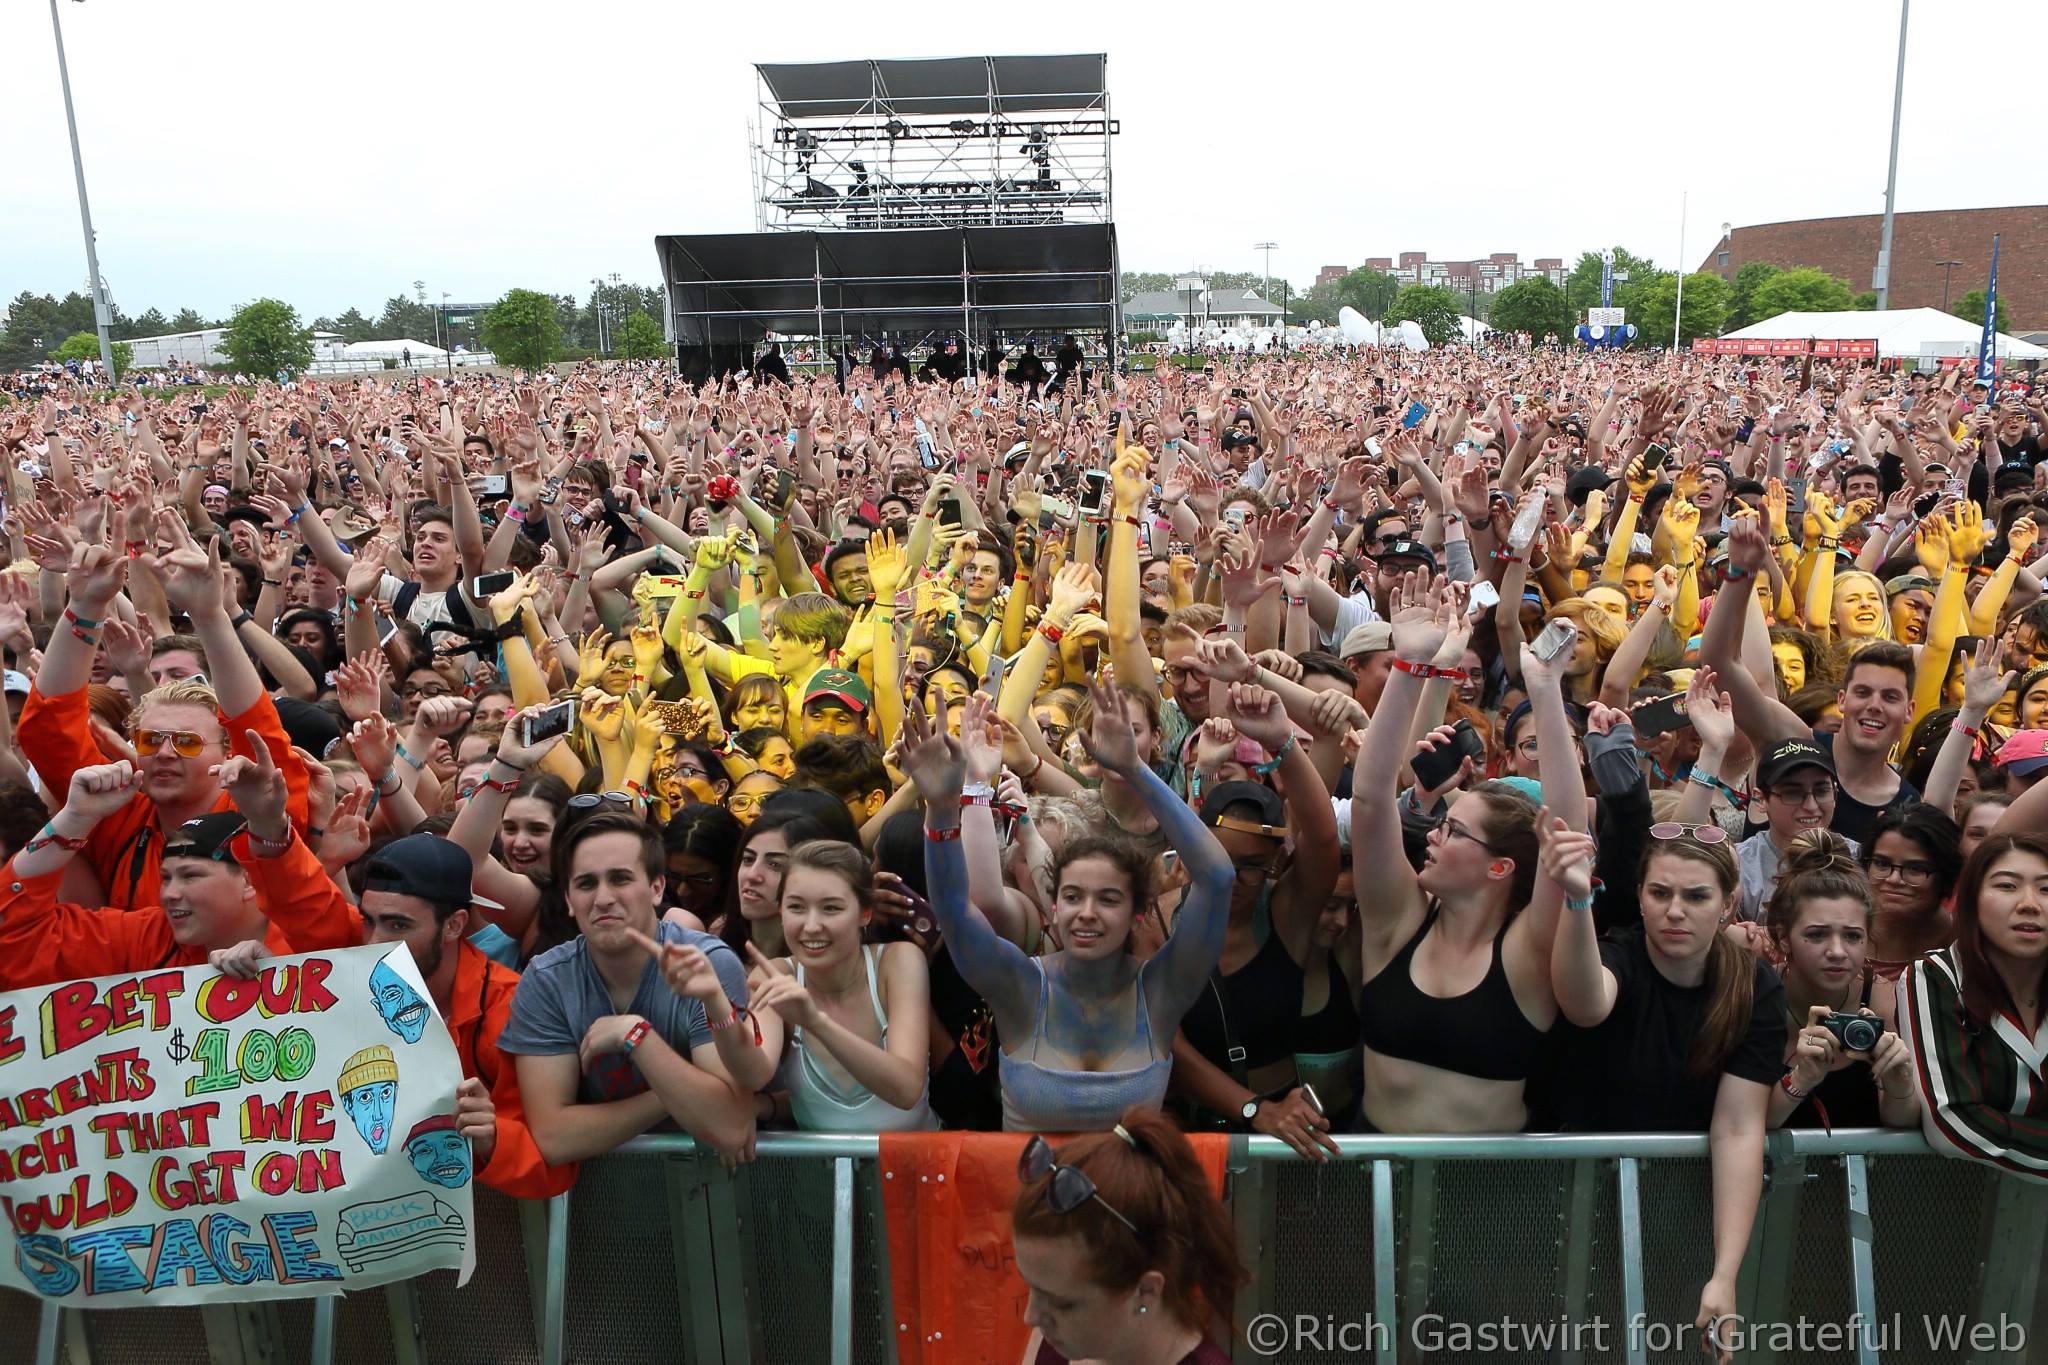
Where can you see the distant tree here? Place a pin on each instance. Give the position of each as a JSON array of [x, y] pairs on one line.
[[1866, 302], [1319, 303], [1136, 282], [149, 324], [1370, 292], [1805, 290], [1705, 308], [1970, 308], [189, 320], [1432, 308], [640, 338], [522, 329], [1742, 302], [405, 319], [569, 317], [265, 336], [353, 326], [1584, 283], [86, 346], [1535, 306], [31, 330]]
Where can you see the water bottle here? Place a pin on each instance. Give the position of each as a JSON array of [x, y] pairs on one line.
[[1527, 517]]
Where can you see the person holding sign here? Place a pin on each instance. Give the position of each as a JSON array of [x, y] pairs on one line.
[[227, 876], [416, 891]]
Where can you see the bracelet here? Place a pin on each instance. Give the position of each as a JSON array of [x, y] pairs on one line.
[[1052, 633], [1707, 780], [1785, 1084], [1430, 671], [239, 620], [1280, 755], [405, 757], [51, 836], [397, 780], [1582, 906], [1451, 518], [1734, 573], [273, 583], [966, 800], [737, 1011], [75, 619], [1294, 601], [1781, 540], [941, 836], [1830, 542], [1507, 556], [633, 1037], [492, 784], [516, 513], [1038, 762], [1962, 729], [985, 791], [502, 761], [269, 848]]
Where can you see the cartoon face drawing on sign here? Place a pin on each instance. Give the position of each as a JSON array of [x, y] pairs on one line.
[[438, 1152], [403, 1008], [368, 1086]]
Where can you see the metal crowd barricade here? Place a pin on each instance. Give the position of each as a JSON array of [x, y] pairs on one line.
[[660, 1254]]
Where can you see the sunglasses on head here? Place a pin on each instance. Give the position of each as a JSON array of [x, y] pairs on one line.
[[1070, 1186], [1701, 834], [184, 743], [593, 800]]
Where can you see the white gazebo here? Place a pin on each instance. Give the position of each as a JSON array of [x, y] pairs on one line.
[[1915, 334]]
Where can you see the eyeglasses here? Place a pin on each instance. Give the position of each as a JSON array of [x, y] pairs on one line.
[[1912, 874], [703, 880], [1701, 834], [1177, 674], [184, 743], [1070, 1186], [1453, 830], [593, 800], [690, 770], [740, 805], [1253, 874], [423, 690], [1799, 796]]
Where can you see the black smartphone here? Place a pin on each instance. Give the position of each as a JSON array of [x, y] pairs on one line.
[[1434, 767], [552, 490], [1653, 458], [1116, 420], [1660, 716], [487, 585], [949, 511], [548, 722]]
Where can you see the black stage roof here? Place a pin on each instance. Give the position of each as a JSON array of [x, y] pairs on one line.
[[732, 287]]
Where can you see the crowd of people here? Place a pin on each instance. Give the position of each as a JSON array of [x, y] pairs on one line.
[[1466, 742]]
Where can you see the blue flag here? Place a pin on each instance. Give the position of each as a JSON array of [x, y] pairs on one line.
[[1987, 347]]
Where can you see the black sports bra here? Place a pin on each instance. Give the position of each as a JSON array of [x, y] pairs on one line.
[[1481, 1033]]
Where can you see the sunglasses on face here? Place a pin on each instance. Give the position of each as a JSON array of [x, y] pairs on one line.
[[184, 743], [1070, 1186]]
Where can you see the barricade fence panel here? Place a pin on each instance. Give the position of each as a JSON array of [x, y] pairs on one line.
[[670, 1257]]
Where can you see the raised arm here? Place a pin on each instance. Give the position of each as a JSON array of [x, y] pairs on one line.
[[1760, 716]]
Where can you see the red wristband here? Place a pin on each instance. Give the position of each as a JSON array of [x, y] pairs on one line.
[[941, 836], [1052, 633], [633, 1037], [1429, 670]]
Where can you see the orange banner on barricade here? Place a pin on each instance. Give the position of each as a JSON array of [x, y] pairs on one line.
[[947, 1197]]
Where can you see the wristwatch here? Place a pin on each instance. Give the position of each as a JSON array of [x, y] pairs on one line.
[[1250, 1110]]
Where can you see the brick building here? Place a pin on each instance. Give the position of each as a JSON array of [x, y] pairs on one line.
[[1847, 248], [1489, 275], [1330, 274]]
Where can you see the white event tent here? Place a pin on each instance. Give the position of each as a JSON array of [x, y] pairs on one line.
[[1923, 334]]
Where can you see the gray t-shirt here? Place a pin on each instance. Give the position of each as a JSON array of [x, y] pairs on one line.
[[561, 995]]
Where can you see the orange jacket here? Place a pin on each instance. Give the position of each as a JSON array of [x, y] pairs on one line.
[[127, 847], [478, 1009], [44, 940]]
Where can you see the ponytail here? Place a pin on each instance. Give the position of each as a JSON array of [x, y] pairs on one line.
[[1731, 993]]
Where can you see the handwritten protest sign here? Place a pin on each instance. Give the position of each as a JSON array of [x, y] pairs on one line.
[[177, 1136]]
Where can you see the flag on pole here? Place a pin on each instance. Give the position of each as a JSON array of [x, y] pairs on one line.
[[1987, 346]]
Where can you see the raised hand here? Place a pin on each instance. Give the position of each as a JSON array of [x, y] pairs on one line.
[[1257, 714], [934, 760], [1984, 682], [255, 785], [1113, 741], [98, 791], [1566, 855], [1711, 712]]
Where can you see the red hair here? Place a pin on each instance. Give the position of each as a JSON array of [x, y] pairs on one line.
[[1155, 1181]]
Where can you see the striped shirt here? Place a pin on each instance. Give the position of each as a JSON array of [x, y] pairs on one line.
[[1984, 1092]]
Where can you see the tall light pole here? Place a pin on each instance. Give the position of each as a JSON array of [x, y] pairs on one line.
[[102, 315], [1881, 279], [1946, 266], [1266, 279]]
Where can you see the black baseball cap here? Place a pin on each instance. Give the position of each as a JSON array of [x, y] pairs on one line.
[[1406, 549], [1787, 755], [1272, 817], [423, 865], [207, 836], [1584, 481]]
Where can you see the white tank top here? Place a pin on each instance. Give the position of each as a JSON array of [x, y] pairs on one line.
[[821, 1104]]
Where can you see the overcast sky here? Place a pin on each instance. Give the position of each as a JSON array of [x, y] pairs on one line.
[[330, 155]]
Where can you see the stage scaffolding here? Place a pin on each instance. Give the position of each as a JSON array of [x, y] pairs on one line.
[[847, 290], [960, 142]]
